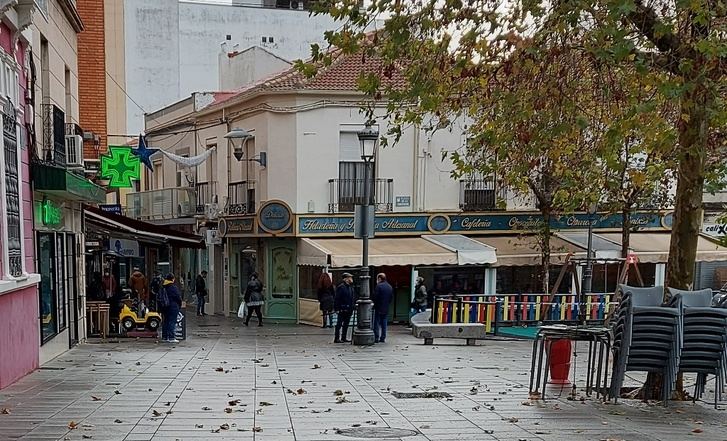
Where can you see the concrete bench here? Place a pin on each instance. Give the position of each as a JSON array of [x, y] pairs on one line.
[[423, 328]]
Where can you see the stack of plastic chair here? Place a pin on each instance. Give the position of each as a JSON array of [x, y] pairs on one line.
[[647, 337], [705, 340]]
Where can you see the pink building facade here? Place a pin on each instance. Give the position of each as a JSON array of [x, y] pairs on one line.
[[19, 304]]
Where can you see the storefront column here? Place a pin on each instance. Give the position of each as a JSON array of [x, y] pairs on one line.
[[490, 281], [660, 274]]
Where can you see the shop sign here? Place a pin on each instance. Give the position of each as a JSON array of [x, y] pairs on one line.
[[123, 247], [275, 217], [475, 223], [715, 230], [111, 208], [236, 226], [51, 214]]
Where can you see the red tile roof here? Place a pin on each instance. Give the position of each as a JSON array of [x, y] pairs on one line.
[[341, 75]]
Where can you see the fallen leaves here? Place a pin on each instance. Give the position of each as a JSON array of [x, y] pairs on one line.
[[228, 410], [199, 426], [94, 398], [225, 426], [219, 369], [233, 403], [72, 425], [118, 421], [265, 403], [5, 411], [315, 366], [117, 392], [697, 430], [301, 391], [156, 413], [206, 408], [257, 429]]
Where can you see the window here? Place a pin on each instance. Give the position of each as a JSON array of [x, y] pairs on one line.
[[10, 170], [351, 172], [182, 172], [158, 175]]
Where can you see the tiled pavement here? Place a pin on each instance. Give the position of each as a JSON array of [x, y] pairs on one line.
[[279, 383]]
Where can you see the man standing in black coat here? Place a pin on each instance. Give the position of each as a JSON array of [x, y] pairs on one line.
[[343, 305], [383, 294]]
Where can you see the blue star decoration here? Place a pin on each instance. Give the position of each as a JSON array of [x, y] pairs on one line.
[[144, 153]]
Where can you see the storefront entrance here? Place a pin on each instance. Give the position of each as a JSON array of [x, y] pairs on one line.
[[280, 299]]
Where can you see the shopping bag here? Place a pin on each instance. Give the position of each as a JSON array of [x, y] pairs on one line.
[[242, 310]]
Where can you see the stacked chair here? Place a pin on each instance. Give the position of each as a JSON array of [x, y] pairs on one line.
[[647, 337], [704, 350]]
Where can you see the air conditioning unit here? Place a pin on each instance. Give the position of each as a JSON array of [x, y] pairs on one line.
[[212, 238], [74, 151]]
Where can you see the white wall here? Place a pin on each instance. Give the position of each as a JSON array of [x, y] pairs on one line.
[[240, 69], [172, 46]]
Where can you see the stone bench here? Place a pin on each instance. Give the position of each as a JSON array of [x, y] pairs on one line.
[[423, 328]]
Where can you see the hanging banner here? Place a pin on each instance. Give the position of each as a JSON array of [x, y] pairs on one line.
[[184, 161]]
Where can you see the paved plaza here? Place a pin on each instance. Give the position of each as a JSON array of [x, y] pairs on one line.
[[292, 383]]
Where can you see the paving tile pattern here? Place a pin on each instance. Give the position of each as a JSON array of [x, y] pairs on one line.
[[292, 383]]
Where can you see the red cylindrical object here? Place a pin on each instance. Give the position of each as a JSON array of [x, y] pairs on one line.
[[560, 352]]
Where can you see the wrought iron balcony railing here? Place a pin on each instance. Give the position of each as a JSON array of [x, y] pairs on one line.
[[481, 195], [240, 198], [206, 192], [345, 194]]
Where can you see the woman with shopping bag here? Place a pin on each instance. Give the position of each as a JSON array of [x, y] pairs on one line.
[[254, 299]]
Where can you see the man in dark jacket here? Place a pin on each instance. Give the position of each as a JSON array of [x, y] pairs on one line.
[[343, 305], [170, 313], [383, 294], [200, 288]]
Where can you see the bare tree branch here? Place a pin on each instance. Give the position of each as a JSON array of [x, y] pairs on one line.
[[647, 22]]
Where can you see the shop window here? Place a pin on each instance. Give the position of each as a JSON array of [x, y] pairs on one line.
[[308, 281], [60, 281], [48, 301]]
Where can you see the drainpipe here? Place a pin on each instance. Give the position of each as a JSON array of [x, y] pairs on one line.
[[415, 180]]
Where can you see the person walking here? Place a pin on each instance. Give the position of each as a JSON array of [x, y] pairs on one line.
[[170, 301], [326, 294], [383, 295], [419, 304], [200, 288], [254, 299], [109, 284], [343, 305]]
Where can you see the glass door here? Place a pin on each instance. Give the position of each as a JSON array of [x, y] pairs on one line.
[[46, 268], [74, 302]]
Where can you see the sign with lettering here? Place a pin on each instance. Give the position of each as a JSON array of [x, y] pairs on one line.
[[51, 214], [275, 217], [111, 208], [232, 226], [403, 201], [714, 230], [124, 248], [474, 223]]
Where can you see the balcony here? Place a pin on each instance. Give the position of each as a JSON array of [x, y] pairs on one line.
[[345, 194], [481, 195], [206, 193], [166, 203], [240, 198]]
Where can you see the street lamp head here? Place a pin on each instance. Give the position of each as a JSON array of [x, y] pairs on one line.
[[238, 137], [369, 139]]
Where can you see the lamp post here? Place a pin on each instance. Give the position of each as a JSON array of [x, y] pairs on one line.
[[588, 272], [362, 333], [239, 138]]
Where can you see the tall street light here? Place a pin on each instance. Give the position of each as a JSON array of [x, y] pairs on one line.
[[363, 334], [588, 272]]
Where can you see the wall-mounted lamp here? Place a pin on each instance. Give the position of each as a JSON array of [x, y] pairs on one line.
[[238, 138]]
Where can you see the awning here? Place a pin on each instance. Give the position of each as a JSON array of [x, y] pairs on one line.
[[57, 181], [523, 250], [469, 251], [338, 253], [604, 248], [114, 224], [654, 247]]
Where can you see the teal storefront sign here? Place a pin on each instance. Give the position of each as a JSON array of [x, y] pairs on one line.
[[275, 217], [475, 223]]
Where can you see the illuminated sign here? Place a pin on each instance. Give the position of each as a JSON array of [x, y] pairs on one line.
[[51, 215], [120, 166]]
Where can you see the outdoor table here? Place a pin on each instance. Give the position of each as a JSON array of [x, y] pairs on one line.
[[599, 349]]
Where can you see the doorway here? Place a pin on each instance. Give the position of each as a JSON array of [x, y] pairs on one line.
[[280, 301]]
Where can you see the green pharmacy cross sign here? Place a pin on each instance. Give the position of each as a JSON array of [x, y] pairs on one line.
[[120, 166]]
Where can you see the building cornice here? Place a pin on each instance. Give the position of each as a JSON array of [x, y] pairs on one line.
[[69, 8]]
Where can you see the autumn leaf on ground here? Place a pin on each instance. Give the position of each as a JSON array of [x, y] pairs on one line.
[[156, 413], [257, 429], [233, 402], [225, 426], [87, 436], [216, 430], [301, 391], [697, 430], [512, 420], [315, 366], [72, 425], [265, 403], [5, 411], [94, 398], [117, 392], [527, 403], [338, 392], [219, 369], [199, 426], [534, 396], [206, 408], [118, 421], [228, 410]]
